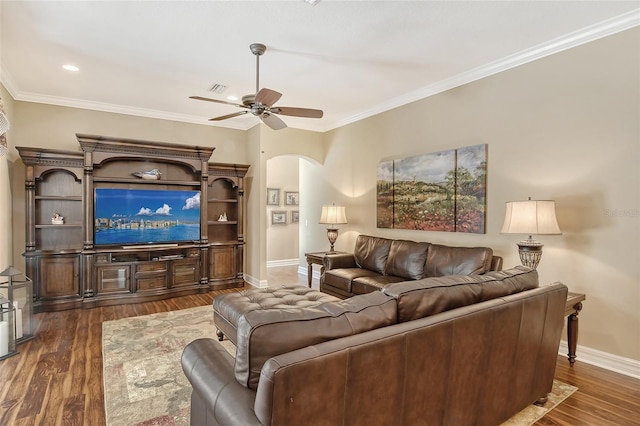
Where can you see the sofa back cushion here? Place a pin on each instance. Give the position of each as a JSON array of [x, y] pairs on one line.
[[429, 296], [407, 259], [446, 260], [372, 252], [265, 333]]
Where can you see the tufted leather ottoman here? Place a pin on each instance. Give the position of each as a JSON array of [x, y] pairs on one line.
[[228, 308]]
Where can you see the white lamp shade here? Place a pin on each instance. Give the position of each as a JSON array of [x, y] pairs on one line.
[[531, 217], [333, 215]]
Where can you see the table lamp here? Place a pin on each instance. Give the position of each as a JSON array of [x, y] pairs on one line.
[[533, 217], [333, 215]]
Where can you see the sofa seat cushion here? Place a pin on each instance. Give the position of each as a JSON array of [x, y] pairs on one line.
[[266, 333], [342, 278], [407, 259], [446, 260], [362, 285], [429, 296], [228, 308], [372, 252]]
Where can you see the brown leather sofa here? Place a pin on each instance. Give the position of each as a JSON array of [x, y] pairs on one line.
[[451, 350], [376, 262]]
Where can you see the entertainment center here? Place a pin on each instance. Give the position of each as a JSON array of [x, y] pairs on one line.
[[127, 221]]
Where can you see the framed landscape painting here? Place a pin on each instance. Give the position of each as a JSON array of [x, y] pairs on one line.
[[441, 191]]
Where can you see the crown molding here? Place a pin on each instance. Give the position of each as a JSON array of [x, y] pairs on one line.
[[7, 82], [117, 109], [585, 35]]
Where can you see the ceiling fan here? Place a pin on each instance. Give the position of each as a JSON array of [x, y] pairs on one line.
[[261, 103]]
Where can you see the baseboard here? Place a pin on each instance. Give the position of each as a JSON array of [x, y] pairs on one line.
[[283, 262], [627, 366], [253, 281], [302, 270]]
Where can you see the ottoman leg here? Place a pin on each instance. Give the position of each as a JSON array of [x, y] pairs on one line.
[[220, 335]]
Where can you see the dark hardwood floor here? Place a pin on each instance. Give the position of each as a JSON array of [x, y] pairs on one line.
[[57, 377]]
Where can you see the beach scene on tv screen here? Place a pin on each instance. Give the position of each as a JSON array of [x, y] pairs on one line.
[[140, 216]]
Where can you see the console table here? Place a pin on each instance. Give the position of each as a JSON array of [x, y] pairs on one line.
[[571, 309], [316, 258]]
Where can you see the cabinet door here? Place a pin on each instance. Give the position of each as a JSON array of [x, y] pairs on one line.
[[113, 278], [222, 262], [59, 277], [185, 272]]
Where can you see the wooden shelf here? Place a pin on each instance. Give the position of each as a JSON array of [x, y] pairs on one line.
[[64, 225], [58, 198], [219, 200], [217, 222], [147, 181]]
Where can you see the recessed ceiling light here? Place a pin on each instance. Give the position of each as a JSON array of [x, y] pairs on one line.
[[70, 67], [232, 98]]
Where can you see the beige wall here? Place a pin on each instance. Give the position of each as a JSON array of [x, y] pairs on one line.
[[6, 213], [565, 128], [282, 240]]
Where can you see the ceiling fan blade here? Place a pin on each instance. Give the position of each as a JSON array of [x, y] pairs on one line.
[[267, 97], [224, 117], [218, 101], [298, 112], [272, 121]]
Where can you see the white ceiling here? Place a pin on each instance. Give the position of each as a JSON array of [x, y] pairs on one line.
[[351, 59]]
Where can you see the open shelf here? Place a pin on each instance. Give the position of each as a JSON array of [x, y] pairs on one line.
[[146, 181], [62, 225], [58, 198], [220, 200]]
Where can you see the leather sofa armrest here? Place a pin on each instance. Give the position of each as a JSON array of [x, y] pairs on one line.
[[496, 263], [209, 368], [339, 260]]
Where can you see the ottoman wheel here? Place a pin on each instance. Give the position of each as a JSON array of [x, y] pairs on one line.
[[220, 335]]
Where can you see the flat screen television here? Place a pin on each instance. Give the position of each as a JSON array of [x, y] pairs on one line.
[[145, 216]]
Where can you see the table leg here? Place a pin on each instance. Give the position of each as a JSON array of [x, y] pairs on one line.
[[309, 272], [572, 333]]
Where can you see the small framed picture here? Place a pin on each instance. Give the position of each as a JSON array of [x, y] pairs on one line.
[[273, 197], [295, 216], [291, 198], [278, 217]]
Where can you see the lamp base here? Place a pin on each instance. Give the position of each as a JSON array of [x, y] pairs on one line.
[[332, 235], [530, 252]]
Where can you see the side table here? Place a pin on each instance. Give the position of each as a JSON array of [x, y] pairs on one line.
[[316, 257], [572, 308]]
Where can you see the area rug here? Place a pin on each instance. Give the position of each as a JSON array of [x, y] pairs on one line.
[[143, 380]]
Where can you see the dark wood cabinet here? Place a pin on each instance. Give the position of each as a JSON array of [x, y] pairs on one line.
[[112, 278], [185, 272], [225, 223], [59, 276], [69, 270]]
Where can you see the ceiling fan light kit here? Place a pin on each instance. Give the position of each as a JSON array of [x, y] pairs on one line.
[[261, 102]]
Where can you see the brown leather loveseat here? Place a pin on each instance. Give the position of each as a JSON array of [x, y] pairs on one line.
[[377, 261], [450, 350]]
